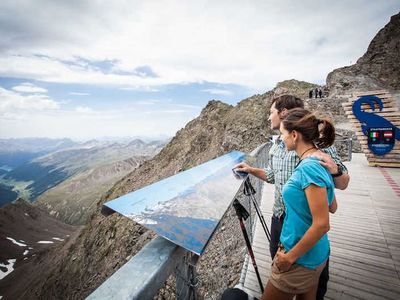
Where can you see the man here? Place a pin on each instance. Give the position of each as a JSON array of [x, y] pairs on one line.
[[281, 164]]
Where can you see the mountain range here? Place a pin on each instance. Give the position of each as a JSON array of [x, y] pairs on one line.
[[69, 179]]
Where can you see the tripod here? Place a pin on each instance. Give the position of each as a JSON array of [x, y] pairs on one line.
[[242, 214], [249, 191]]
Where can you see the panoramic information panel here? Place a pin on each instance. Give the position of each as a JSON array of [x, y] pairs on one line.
[[187, 207]]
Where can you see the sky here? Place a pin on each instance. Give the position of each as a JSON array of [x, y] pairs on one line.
[[95, 69]]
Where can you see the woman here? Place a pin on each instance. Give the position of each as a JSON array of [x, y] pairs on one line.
[[308, 196]]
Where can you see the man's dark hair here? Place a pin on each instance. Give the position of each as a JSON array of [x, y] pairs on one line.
[[288, 102]]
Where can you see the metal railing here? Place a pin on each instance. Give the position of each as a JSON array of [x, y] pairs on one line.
[[344, 145], [143, 276]]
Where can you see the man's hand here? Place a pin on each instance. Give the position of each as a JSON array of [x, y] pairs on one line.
[[243, 167], [258, 172], [342, 181], [327, 161]]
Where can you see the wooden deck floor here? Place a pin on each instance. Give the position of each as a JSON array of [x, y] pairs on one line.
[[364, 235]]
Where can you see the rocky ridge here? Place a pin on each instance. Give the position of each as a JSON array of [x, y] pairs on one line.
[[378, 68], [74, 200]]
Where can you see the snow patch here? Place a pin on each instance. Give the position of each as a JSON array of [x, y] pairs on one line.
[[9, 267], [45, 242], [15, 242], [58, 239], [26, 215], [144, 221], [25, 252]]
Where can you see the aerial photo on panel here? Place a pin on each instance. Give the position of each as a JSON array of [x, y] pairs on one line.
[[187, 207]]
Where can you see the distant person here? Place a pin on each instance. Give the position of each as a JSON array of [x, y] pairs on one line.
[[309, 197], [310, 94], [320, 93], [281, 163]]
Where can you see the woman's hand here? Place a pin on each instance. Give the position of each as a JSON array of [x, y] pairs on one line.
[[333, 206], [283, 261]]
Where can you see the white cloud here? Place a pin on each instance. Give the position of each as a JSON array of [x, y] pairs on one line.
[[83, 122], [218, 92], [83, 109], [167, 111], [27, 87], [254, 43], [142, 88], [154, 102], [12, 103], [53, 70], [79, 94]]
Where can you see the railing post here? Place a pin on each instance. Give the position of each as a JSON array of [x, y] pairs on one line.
[[186, 279], [350, 145]]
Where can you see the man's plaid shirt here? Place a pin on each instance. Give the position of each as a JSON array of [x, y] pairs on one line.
[[281, 164]]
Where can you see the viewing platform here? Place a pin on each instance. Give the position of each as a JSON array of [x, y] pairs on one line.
[[364, 236]]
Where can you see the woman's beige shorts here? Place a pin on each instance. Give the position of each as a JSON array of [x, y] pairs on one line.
[[297, 280]]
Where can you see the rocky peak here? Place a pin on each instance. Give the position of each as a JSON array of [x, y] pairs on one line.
[[378, 68], [382, 58], [294, 87], [214, 104]]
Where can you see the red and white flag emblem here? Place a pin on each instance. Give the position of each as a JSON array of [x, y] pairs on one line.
[[388, 134]]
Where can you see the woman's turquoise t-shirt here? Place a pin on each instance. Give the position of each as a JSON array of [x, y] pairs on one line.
[[298, 217]]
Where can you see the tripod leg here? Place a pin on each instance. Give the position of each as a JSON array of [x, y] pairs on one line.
[[251, 253], [249, 191], [250, 221], [262, 220]]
